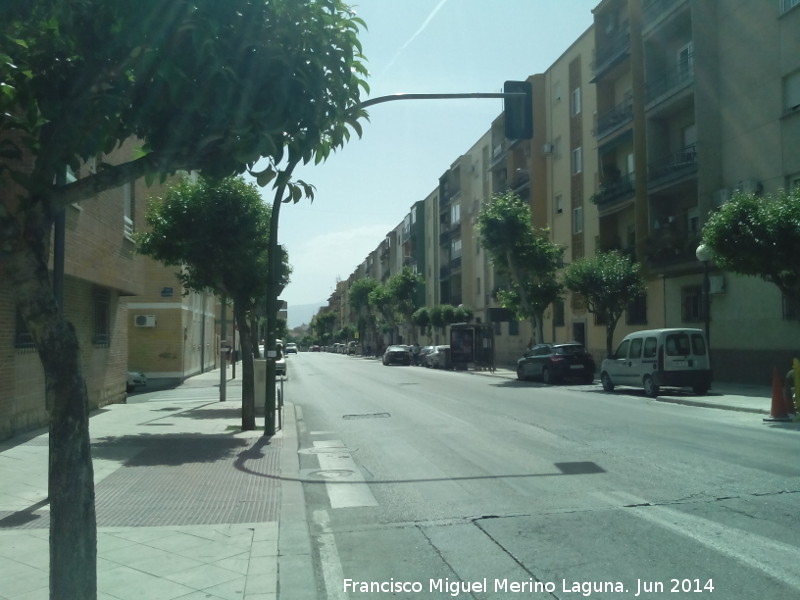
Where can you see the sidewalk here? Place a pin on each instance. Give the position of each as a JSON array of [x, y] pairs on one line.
[[727, 396], [188, 505]]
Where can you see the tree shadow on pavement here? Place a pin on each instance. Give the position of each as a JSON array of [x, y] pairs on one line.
[[144, 450]]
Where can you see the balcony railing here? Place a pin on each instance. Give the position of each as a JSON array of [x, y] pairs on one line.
[[673, 166], [669, 81], [611, 191], [612, 50], [620, 115], [652, 10], [668, 247]]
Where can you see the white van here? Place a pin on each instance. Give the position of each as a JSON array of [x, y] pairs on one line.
[[657, 358]]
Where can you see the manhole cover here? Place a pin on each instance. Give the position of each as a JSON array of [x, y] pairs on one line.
[[382, 415]]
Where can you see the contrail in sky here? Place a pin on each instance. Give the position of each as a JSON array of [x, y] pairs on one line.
[[416, 34]]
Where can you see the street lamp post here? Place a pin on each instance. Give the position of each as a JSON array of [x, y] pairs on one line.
[[704, 255]]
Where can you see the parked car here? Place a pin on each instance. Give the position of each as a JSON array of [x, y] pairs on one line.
[[423, 352], [353, 348], [397, 355], [135, 379], [291, 348], [438, 357], [315, 348], [556, 362], [654, 358]]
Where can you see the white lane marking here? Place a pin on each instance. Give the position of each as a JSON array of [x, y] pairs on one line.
[[777, 559], [350, 490], [331, 565]]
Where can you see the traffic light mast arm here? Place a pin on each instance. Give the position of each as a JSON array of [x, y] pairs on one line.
[[518, 105], [392, 97]]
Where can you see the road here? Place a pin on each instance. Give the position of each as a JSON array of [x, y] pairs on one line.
[[424, 483]]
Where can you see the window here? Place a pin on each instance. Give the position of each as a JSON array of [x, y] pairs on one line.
[[622, 350], [577, 220], [692, 304], [577, 161], [513, 327], [793, 182], [455, 214], [575, 102], [558, 204], [787, 5], [102, 318], [650, 347], [637, 311], [558, 313], [791, 92], [455, 249], [686, 60], [636, 348]]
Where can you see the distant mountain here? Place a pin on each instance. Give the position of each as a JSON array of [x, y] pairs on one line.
[[301, 314]]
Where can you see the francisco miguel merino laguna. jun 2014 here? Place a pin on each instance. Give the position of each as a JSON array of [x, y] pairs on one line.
[[584, 588]]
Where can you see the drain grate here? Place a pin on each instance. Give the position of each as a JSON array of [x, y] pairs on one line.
[[381, 415]]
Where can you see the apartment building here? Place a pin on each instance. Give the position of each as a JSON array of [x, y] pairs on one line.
[[642, 127], [129, 312], [694, 101], [100, 271]]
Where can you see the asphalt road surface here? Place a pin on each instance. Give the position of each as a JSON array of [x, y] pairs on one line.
[[423, 483]]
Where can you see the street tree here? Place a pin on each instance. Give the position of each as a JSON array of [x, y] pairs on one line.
[[402, 288], [443, 315], [609, 282], [358, 296], [760, 237], [204, 86], [523, 255], [231, 210], [382, 303], [323, 324], [422, 320]]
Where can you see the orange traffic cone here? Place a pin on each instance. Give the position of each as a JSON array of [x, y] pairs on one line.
[[778, 410]]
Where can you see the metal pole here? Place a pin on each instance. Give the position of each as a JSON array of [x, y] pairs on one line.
[[707, 301], [222, 335]]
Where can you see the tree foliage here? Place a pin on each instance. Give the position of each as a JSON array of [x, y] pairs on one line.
[[760, 237], [231, 211], [204, 85], [525, 256], [609, 282], [358, 296]]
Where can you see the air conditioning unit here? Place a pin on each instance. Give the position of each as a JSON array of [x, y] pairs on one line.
[[548, 148], [145, 320]]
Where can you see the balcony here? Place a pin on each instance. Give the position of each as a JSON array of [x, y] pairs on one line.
[[611, 51], [654, 10], [617, 117], [671, 247], [620, 188], [673, 167], [669, 82]]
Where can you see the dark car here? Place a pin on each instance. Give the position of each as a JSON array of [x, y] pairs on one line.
[[395, 355], [556, 362]]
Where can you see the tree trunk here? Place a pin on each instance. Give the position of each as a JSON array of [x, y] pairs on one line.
[[248, 389], [73, 526]]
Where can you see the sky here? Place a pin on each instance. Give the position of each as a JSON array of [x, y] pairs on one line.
[[367, 187]]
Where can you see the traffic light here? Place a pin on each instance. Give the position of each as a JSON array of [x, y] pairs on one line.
[[518, 110]]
